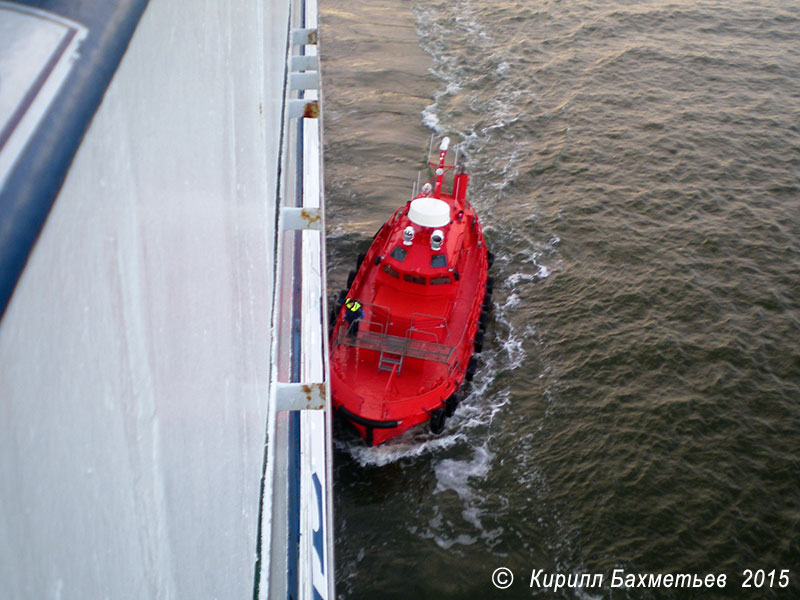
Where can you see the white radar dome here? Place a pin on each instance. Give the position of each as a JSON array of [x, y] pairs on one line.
[[429, 212]]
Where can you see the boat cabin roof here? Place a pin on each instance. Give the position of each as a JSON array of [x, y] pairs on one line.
[[415, 254]]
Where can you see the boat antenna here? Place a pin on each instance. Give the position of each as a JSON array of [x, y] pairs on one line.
[[416, 185]]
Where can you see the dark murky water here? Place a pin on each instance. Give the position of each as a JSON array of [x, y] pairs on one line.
[[637, 168]]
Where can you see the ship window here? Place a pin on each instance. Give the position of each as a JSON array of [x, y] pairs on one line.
[[399, 254], [388, 269], [439, 260], [414, 278], [440, 280]]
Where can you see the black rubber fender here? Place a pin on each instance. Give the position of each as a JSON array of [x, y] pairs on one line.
[[438, 418], [471, 368], [451, 404]]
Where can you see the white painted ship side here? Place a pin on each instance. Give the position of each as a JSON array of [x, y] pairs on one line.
[[142, 378]]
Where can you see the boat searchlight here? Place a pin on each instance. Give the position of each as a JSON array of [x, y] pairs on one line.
[[437, 237], [408, 235]]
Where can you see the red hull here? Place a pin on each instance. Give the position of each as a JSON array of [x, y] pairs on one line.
[[422, 287]]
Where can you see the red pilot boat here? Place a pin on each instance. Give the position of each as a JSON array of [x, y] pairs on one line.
[[404, 336]]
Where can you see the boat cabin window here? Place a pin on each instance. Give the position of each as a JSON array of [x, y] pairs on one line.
[[399, 253], [388, 269], [440, 280], [411, 278], [439, 260]]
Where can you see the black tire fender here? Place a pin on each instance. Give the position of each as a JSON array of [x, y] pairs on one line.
[[471, 368], [438, 418], [451, 404]]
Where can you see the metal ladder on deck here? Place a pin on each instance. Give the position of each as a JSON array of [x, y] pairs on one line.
[[389, 360]]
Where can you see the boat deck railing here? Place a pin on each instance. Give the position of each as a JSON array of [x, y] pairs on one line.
[[372, 333], [403, 346]]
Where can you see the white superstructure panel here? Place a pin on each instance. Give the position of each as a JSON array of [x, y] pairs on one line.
[[134, 356]]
